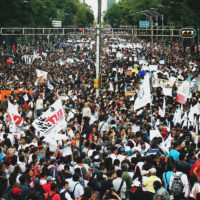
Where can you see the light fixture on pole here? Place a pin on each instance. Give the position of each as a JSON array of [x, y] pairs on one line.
[[159, 15]]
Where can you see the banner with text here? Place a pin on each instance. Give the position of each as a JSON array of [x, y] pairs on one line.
[[51, 121]]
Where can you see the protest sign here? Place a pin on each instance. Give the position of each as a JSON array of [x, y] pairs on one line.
[[53, 120]]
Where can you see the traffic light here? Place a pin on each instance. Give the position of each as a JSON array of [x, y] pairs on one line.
[[96, 83], [103, 80], [187, 32]]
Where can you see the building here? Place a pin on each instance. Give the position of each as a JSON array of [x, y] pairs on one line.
[[110, 3]]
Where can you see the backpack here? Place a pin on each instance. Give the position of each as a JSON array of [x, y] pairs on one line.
[[7, 194], [50, 197], [39, 195], [120, 187], [53, 172], [98, 185], [62, 195], [72, 193], [177, 185]]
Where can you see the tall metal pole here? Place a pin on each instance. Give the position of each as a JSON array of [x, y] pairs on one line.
[[152, 30], [98, 47], [162, 26]]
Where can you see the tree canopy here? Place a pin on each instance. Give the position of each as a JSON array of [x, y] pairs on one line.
[[176, 13], [40, 13]]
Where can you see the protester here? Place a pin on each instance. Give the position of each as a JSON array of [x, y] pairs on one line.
[[143, 127]]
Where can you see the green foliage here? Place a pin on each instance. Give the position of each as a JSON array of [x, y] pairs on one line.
[[176, 12], [40, 13]]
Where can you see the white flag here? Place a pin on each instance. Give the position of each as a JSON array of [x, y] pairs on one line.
[[168, 142], [41, 73], [177, 116], [144, 95], [185, 119], [155, 133], [196, 109], [51, 121], [162, 111], [183, 92], [13, 115]]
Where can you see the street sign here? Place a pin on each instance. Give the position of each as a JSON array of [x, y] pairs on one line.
[[187, 32], [57, 24], [144, 24]]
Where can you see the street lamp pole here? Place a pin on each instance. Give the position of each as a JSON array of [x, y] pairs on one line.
[[98, 47], [162, 26], [146, 13]]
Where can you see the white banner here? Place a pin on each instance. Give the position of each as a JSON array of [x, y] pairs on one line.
[[52, 121], [41, 73], [153, 67], [167, 92]]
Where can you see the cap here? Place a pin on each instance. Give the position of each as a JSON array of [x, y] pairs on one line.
[[122, 149], [43, 160], [16, 191], [50, 178], [152, 170], [53, 161], [137, 184], [144, 172], [73, 142]]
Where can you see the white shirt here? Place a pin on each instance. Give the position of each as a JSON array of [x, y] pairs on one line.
[[39, 104], [86, 112], [113, 156], [116, 184], [79, 191], [22, 166], [70, 133], [195, 190], [103, 126], [184, 180]]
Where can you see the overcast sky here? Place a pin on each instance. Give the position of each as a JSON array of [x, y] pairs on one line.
[[94, 4]]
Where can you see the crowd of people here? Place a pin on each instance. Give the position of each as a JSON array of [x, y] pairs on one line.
[[114, 155]]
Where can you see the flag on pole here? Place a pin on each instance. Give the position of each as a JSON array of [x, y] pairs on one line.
[[155, 133], [41, 73], [144, 95], [183, 92], [161, 112], [177, 116]]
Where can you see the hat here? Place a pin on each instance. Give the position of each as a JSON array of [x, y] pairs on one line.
[[73, 142], [50, 178], [16, 191], [43, 160], [152, 170], [129, 153], [53, 160], [99, 174], [137, 184], [144, 172], [122, 149]]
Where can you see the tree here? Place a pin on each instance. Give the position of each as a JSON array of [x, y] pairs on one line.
[[177, 13], [40, 13]]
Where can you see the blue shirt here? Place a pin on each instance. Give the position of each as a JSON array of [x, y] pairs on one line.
[[174, 154], [166, 178]]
